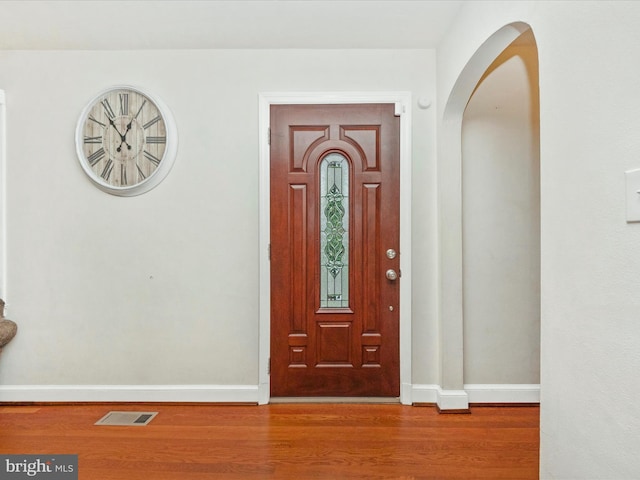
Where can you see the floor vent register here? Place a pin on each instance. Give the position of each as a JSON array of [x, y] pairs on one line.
[[127, 419]]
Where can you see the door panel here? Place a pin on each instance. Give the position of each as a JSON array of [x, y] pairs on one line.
[[334, 214]]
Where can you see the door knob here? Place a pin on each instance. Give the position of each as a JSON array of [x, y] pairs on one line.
[[391, 274]]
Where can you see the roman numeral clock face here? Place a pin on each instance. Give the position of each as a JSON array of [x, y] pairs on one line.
[[126, 141]]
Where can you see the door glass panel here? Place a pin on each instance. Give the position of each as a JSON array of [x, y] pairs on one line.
[[334, 231]]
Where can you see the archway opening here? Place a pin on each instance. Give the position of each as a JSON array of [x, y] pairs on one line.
[[453, 395], [501, 222]]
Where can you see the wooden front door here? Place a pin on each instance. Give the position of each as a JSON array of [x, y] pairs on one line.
[[335, 237]]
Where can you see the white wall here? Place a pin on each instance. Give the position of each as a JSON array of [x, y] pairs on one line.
[[162, 289], [590, 273], [501, 222]]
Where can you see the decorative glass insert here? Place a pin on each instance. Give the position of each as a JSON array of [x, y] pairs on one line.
[[334, 231]]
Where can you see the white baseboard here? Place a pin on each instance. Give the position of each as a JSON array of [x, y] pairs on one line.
[[507, 393], [475, 393], [130, 393], [452, 400], [424, 393], [445, 399]]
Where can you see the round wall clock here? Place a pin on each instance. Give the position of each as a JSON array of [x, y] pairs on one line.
[[126, 141]]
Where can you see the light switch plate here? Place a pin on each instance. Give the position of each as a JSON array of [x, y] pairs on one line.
[[633, 195]]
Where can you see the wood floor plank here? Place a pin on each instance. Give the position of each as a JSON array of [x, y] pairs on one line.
[[284, 441]]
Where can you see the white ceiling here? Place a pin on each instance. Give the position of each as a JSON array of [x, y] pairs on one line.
[[189, 24]]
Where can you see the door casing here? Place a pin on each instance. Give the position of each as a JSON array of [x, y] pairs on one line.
[[402, 101]]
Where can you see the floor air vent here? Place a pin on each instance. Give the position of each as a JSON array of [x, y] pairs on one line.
[[127, 419]]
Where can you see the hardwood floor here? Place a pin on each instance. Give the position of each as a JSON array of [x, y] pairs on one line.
[[288, 441]]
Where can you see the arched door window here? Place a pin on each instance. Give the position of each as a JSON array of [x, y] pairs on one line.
[[334, 231]]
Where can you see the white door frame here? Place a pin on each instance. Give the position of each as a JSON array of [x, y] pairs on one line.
[[402, 100]]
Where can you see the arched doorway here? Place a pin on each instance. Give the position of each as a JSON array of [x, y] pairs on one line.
[[501, 224], [452, 394]]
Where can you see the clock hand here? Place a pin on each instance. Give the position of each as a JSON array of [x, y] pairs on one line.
[[114, 126], [123, 138]]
